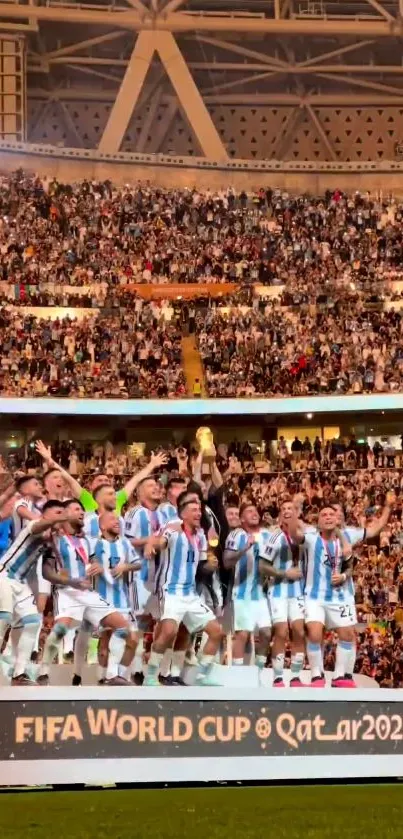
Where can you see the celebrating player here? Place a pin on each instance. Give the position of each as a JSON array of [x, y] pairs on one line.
[[182, 550], [250, 609]]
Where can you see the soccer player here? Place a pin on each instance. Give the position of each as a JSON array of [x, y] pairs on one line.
[[75, 600], [141, 523], [26, 506], [106, 499], [17, 605], [117, 558], [329, 592], [55, 490], [182, 550], [286, 596], [168, 509], [172, 666], [250, 608]]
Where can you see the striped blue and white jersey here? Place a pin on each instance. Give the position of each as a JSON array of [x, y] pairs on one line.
[[167, 512], [324, 558], [179, 560], [73, 555], [283, 554], [109, 555], [354, 535], [91, 525], [247, 584], [17, 522], [141, 523], [23, 554]]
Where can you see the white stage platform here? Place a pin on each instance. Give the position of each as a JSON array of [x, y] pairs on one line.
[[229, 677], [102, 735]]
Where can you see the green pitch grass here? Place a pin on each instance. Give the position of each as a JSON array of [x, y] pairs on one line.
[[223, 813]]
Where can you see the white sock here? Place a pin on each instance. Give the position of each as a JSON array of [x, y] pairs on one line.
[[14, 638], [124, 671], [5, 621], [343, 657], [165, 668], [137, 663], [117, 645], [260, 661], [351, 659], [52, 647], [205, 666], [278, 666], [237, 662], [38, 635], [101, 673], [203, 642], [314, 653], [297, 663], [154, 663], [81, 648], [25, 648], [68, 642], [190, 657], [178, 661]]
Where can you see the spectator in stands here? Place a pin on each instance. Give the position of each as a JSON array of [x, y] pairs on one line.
[[98, 239], [131, 356], [245, 354]]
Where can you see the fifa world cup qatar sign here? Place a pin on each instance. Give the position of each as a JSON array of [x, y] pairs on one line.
[[115, 735]]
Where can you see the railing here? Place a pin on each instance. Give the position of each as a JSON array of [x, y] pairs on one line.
[[186, 162], [188, 407]]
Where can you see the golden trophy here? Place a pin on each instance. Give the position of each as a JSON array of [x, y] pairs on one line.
[[211, 551], [205, 441]]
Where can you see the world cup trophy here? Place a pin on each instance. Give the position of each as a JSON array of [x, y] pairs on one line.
[[205, 442], [212, 551]]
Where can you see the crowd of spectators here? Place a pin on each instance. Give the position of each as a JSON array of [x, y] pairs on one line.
[[284, 353], [81, 245], [101, 237], [133, 355], [247, 350]]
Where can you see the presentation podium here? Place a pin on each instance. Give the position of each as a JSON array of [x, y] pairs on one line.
[[238, 732]]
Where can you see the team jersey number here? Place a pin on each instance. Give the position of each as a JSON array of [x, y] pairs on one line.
[[346, 612]]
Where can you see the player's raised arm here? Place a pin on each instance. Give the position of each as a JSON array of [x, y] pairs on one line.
[[53, 517], [156, 461], [46, 454], [296, 528], [375, 527]]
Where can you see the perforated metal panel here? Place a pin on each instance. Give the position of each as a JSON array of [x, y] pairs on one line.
[[367, 133]]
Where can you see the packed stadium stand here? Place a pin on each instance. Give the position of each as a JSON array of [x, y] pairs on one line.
[[210, 208]]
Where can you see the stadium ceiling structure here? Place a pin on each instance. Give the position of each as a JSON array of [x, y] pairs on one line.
[[170, 60]]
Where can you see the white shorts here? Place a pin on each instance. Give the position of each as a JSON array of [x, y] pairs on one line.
[[249, 615], [17, 599], [287, 609], [187, 609], [43, 586], [331, 615], [143, 602], [81, 605]]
